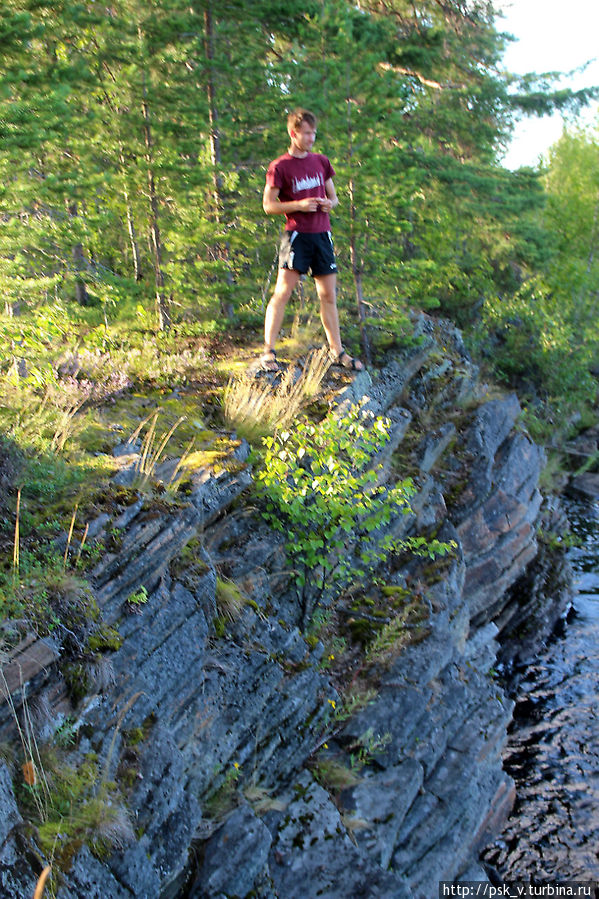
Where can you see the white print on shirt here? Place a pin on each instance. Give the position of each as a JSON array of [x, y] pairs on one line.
[[307, 183]]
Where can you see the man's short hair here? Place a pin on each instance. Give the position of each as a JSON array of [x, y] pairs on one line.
[[298, 116]]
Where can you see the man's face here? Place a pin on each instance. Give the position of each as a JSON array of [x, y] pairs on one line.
[[303, 137]]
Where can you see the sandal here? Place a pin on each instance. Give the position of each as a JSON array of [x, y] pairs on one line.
[[344, 360], [268, 361]]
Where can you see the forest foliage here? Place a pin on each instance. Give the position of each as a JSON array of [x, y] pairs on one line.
[[135, 138]]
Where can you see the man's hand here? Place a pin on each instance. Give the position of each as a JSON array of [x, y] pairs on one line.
[[325, 204], [310, 204], [273, 206]]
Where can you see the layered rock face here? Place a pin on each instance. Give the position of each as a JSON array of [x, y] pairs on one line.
[[239, 719]]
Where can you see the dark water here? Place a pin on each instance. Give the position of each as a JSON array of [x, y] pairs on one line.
[[553, 751]]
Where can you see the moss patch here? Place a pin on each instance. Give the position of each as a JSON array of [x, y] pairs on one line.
[[70, 804]]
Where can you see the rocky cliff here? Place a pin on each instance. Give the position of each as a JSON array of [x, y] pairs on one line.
[[256, 759]]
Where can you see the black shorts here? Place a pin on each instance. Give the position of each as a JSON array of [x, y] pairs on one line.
[[305, 252]]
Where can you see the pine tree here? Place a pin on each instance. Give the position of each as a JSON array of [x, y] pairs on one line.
[[44, 117]]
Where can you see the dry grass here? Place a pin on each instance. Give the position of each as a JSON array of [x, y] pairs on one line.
[[152, 447], [398, 633], [262, 800], [39, 889], [256, 409], [317, 365], [306, 330], [42, 401], [47, 422], [34, 774], [335, 775], [17, 539]]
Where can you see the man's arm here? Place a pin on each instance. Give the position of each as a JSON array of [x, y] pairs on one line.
[[332, 198], [273, 206]]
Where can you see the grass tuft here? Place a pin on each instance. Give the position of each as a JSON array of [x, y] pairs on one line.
[[396, 634], [257, 409], [335, 775], [229, 599], [152, 447]]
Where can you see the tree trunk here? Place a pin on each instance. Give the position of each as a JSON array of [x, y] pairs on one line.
[[79, 263], [162, 303], [593, 240], [356, 265], [117, 112], [215, 154], [357, 268], [137, 268], [221, 250]]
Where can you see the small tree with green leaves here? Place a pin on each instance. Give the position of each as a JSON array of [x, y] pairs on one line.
[[322, 493]]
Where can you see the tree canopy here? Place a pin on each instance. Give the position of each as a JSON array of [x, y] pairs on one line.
[[135, 138]]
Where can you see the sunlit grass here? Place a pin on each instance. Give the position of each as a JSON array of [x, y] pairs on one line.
[[256, 408]]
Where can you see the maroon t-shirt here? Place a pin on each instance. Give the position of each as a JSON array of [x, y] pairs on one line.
[[302, 177]]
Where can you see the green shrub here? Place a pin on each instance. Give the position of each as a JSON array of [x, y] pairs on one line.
[[535, 342], [322, 493]]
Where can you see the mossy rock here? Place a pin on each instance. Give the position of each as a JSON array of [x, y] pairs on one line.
[[77, 679], [220, 626], [189, 567], [105, 639]]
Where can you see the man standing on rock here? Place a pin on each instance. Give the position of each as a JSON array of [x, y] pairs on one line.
[[299, 185]]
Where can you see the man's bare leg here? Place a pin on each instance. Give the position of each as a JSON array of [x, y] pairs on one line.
[[326, 287], [275, 311]]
